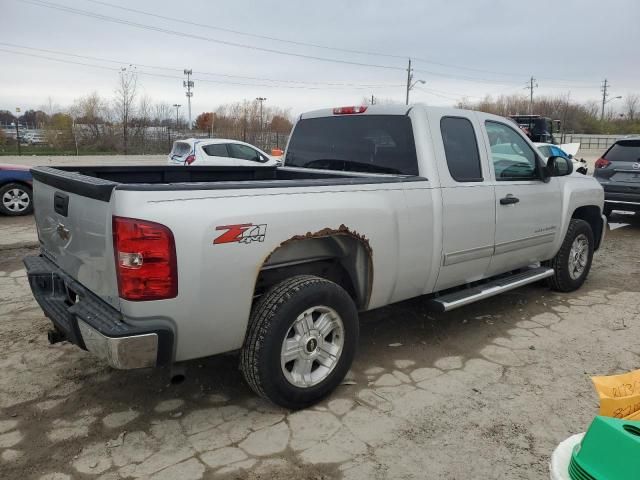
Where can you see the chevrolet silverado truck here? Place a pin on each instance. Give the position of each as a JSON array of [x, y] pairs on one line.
[[148, 266]]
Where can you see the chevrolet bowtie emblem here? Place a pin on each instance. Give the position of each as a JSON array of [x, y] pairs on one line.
[[63, 231]]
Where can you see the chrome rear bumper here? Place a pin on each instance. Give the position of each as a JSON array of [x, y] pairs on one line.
[[136, 351], [82, 318]]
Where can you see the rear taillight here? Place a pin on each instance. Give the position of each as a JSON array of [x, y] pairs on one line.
[[190, 159], [349, 110], [602, 163], [145, 254]]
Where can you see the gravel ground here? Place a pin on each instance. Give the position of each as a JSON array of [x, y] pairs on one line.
[[486, 391]]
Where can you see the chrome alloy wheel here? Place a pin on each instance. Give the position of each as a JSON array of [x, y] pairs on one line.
[[578, 256], [312, 346], [16, 200]]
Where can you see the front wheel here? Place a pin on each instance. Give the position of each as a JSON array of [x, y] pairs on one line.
[[16, 199], [301, 341], [573, 261]]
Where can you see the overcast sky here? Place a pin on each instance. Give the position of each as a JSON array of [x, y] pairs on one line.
[[460, 48]]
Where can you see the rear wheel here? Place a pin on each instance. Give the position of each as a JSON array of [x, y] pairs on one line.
[[573, 261], [16, 199], [301, 341]]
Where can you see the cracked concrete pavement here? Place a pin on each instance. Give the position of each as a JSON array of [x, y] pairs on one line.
[[486, 391]]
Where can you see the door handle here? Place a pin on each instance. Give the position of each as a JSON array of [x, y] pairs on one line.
[[509, 200]]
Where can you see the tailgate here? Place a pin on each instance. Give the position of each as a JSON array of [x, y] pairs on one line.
[[73, 218]]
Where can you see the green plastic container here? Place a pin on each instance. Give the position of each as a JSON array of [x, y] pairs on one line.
[[610, 450]]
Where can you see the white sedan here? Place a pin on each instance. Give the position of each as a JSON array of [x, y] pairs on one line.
[[218, 152]]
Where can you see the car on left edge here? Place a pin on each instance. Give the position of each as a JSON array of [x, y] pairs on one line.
[[16, 197]]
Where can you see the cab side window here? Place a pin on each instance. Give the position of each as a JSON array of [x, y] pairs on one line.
[[461, 149], [244, 153], [513, 158]]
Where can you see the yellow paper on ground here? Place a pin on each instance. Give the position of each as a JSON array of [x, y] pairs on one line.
[[619, 395]]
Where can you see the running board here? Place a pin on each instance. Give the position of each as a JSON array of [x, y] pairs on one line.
[[447, 302]]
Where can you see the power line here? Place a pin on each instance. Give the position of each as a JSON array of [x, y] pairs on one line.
[[111, 19], [175, 69], [160, 75], [304, 44], [107, 18]]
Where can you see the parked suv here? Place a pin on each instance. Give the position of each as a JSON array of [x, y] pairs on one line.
[[618, 171]]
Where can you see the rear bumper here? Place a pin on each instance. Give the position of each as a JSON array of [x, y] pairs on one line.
[[622, 200], [619, 204], [85, 320]]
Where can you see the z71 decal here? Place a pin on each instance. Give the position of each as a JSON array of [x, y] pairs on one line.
[[241, 233]]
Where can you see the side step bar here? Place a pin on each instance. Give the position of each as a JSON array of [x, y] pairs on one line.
[[447, 302]]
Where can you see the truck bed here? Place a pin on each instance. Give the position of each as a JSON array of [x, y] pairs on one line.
[[98, 182]]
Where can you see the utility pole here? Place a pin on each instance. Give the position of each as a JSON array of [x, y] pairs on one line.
[[188, 84], [177, 107], [409, 77], [532, 84], [605, 94], [373, 100], [261, 100]]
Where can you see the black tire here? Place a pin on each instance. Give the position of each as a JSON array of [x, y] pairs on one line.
[[270, 322], [21, 188], [561, 280]]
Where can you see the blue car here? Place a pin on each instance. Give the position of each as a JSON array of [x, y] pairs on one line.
[[16, 195]]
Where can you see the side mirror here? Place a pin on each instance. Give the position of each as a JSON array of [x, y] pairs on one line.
[[559, 166]]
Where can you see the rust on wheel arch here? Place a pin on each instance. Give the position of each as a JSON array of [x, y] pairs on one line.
[[327, 232]]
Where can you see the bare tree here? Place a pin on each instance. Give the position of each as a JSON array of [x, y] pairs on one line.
[[631, 105], [91, 112], [162, 114], [124, 103], [143, 119]]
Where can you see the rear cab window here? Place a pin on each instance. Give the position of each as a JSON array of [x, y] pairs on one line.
[[461, 149], [624, 151], [354, 143]]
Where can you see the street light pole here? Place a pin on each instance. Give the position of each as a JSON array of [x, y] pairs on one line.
[[18, 131], [261, 99], [410, 85], [177, 107]]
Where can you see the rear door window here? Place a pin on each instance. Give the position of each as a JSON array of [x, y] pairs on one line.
[[461, 149], [216, 150], [354, 143], [624, 151]]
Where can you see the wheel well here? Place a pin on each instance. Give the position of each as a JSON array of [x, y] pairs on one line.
[[19, 182], [343, 258], [592, 215]]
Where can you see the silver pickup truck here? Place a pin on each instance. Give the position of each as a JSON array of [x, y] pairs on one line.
[[148, 266]]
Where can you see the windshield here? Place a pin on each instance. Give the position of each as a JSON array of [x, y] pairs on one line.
[[364, 143]]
